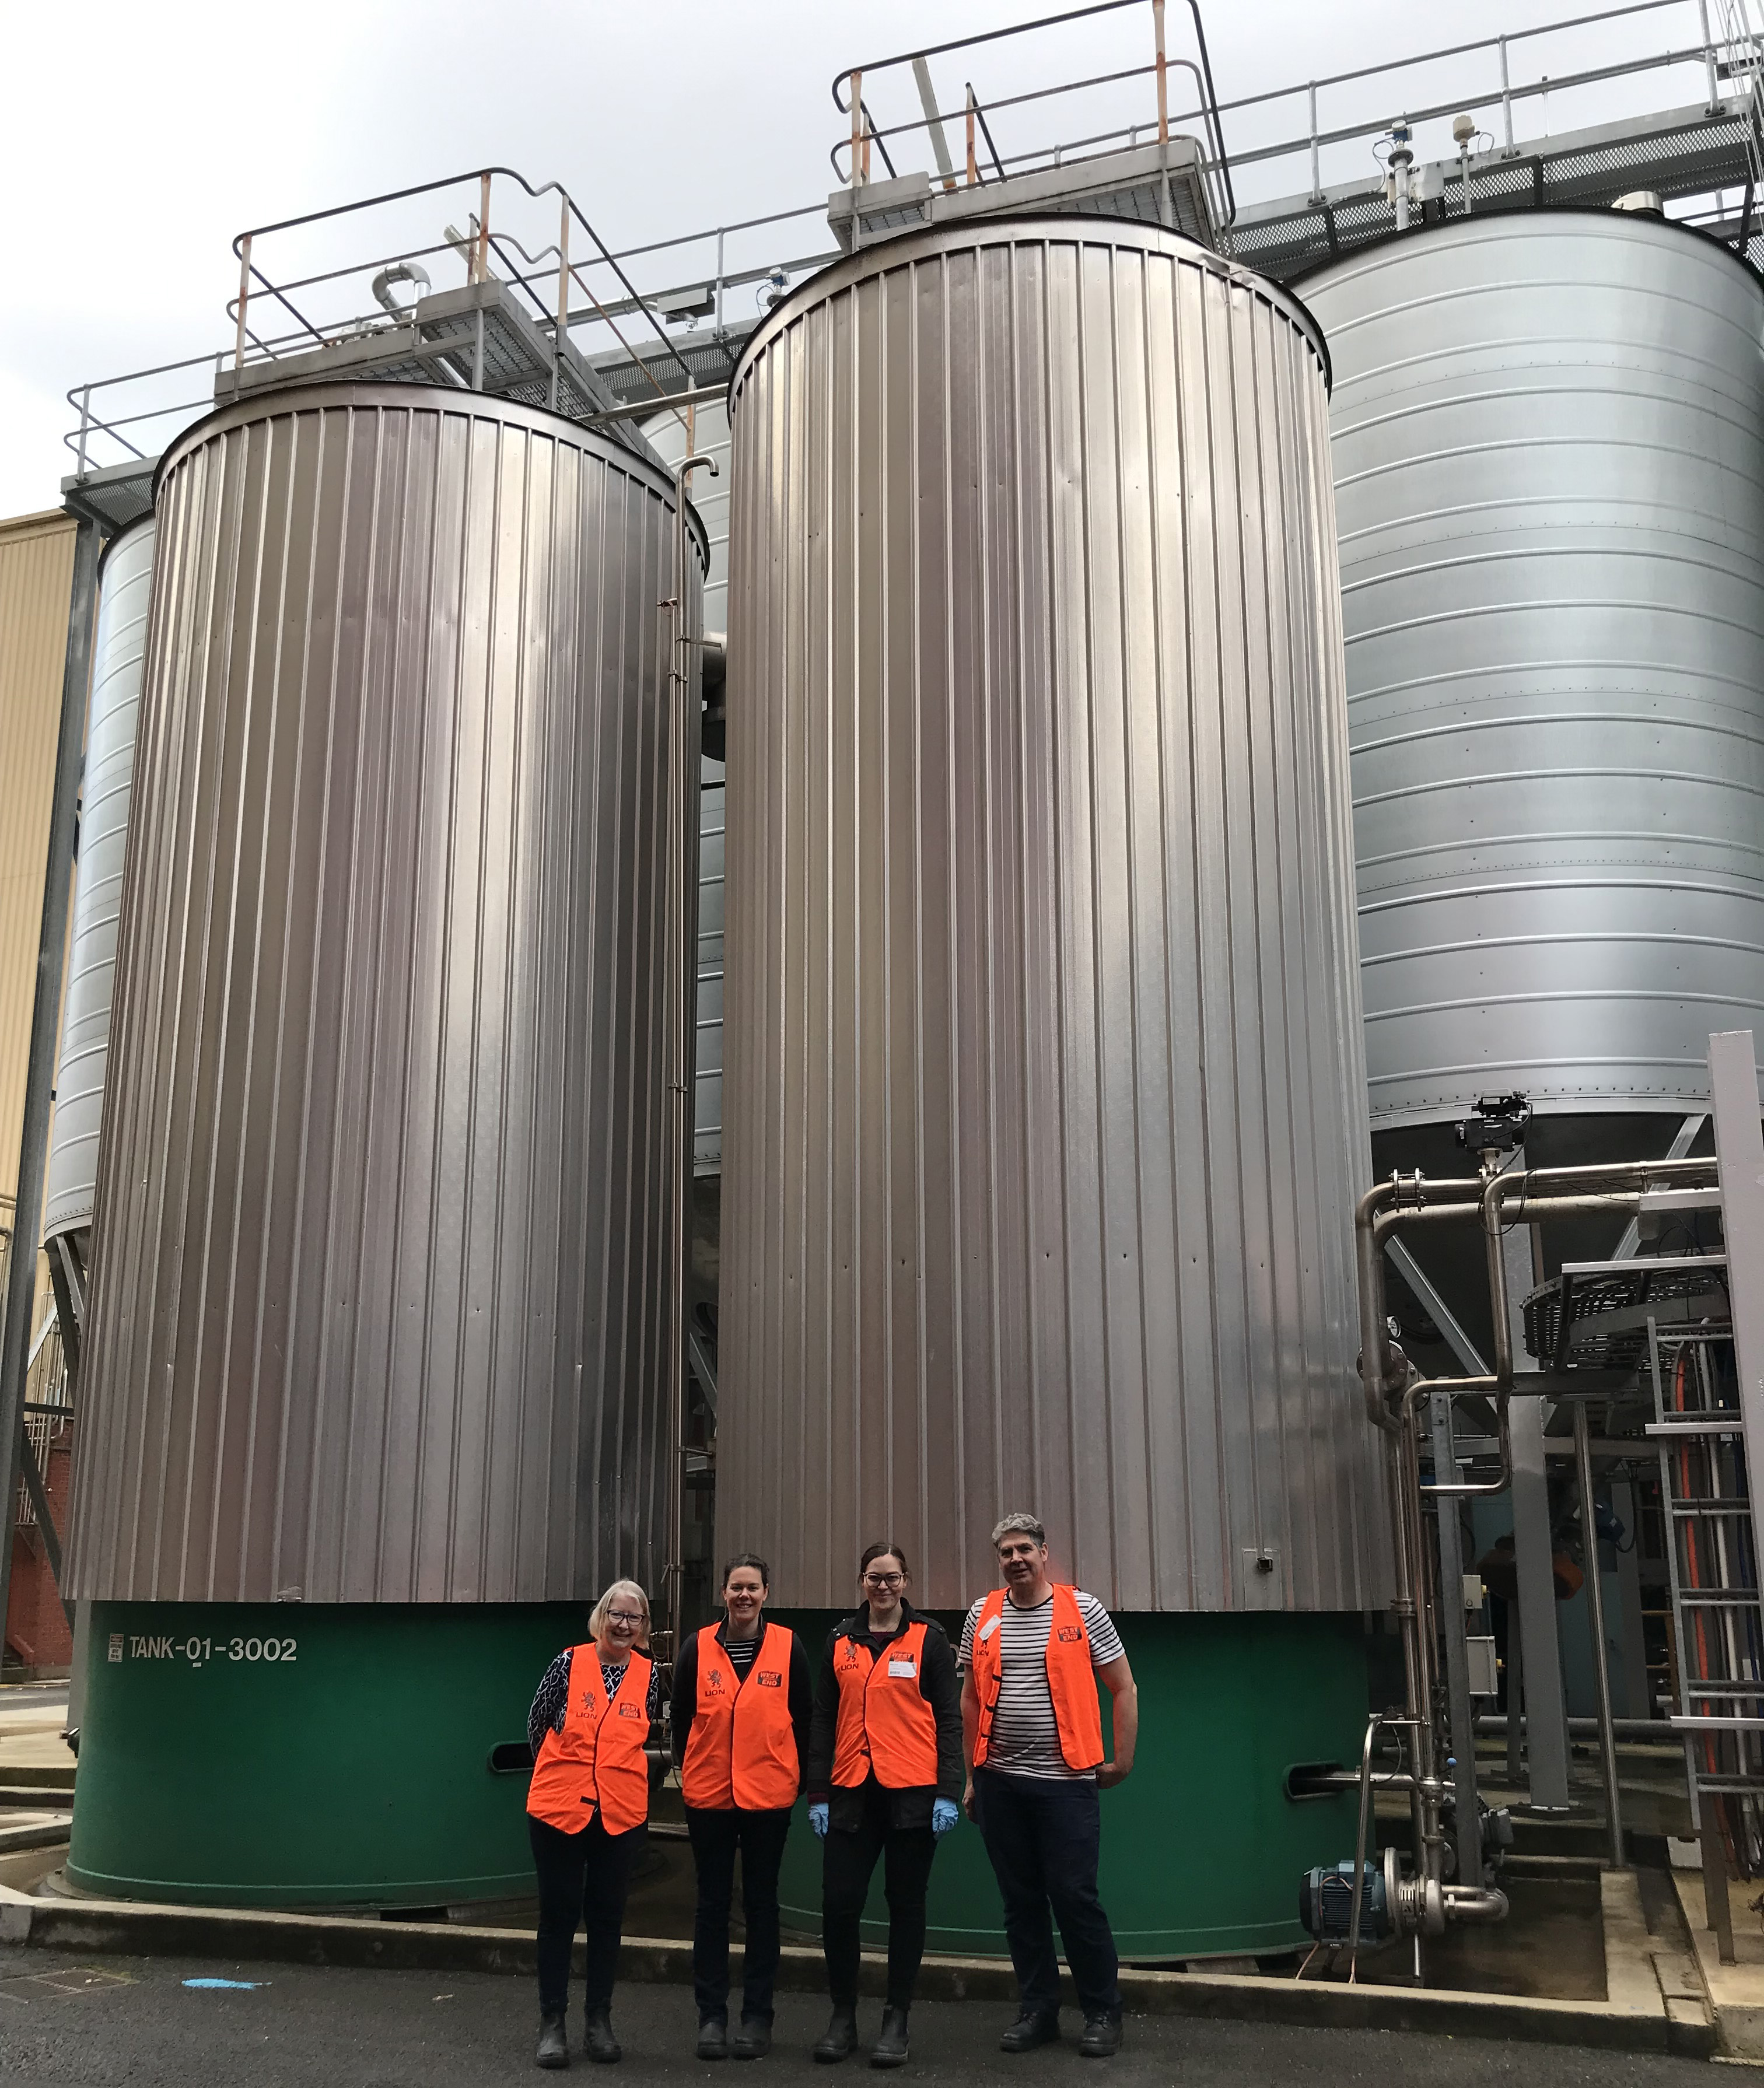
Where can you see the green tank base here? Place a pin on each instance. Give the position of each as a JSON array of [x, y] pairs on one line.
[[1202, 1850], [288, 1754]]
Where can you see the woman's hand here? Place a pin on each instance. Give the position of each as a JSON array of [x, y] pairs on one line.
[[817, 1819], [942, 1815]]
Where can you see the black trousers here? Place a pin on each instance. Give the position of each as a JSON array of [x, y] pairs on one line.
[[583, 1880], [848, 1864], [1044, 1835], [716, 1836]]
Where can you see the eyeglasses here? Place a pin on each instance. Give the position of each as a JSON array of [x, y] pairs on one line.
[[883, 1579], [624, 1617]]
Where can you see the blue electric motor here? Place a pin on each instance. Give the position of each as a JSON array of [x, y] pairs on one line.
[[1326, 1904]]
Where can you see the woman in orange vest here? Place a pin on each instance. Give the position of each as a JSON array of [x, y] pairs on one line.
[[885, 1772], [587, 1807], [742, 1697]]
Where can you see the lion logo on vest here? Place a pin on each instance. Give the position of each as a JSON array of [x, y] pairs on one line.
[[713, 1682]]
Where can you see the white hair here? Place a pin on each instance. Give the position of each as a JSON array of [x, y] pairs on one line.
[[597, 1622]]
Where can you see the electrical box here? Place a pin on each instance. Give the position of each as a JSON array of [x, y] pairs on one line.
[[1473, 1594], [1484, 1669]]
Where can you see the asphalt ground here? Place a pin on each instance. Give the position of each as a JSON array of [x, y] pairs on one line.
[[132, 2022]]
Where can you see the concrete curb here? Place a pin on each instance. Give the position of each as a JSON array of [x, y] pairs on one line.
[[130, 1929]]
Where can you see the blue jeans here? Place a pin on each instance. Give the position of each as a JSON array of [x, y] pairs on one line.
[[1044, 1834]]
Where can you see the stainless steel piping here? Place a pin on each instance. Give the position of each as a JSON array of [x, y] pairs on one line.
[[1595, 1594]]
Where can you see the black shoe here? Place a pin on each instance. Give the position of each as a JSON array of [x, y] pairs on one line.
[[1101, 2037], [841, 2039], [1031, 2028], [554, 2041], [713, 2038], [890, 2046], [598, 2042], [753, 2040]]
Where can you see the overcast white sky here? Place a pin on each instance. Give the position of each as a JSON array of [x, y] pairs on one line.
[[139, 139]]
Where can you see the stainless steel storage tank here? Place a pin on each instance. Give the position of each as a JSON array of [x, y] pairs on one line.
[[1042, 1086], [380, 1296], [119, 647], [1548, 431]]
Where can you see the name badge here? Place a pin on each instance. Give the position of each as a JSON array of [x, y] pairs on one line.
[[990, 1626], [905, 1667]]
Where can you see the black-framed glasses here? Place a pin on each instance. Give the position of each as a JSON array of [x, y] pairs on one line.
[[624, 1617], [883, 1579]]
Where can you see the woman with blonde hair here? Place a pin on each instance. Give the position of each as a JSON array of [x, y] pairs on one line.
[[588, 1806]]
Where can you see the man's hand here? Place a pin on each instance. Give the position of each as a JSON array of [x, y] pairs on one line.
[[1113, 1772], [967, 1799]]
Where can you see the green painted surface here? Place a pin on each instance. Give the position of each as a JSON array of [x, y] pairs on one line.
[[353, 1767], [1201, 1848]]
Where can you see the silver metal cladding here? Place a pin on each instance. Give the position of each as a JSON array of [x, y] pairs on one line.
[[1043, 1073], [379, 1295], [1549, 434], [119, 647]]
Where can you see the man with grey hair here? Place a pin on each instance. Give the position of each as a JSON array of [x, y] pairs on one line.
[[1032, 1654]]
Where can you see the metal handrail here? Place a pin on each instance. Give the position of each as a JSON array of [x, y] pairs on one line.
[[1217, 166]]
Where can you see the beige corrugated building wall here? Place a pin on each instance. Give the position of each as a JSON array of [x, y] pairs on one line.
[[37, 570]]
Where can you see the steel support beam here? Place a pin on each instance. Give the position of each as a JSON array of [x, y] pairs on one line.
[[1468, 1812], [1546, 1711], [45, 1019]]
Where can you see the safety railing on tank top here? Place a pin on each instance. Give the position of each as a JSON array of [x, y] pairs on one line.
[[1574, 78], [985, 162], [638, 307]]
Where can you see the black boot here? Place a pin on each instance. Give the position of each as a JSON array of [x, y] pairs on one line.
[[890, 2046], [841, 2039], [599, 2043], [1101, 2037], [753, 2040], [554, 2043], [713, 2038], [1032, 2027]]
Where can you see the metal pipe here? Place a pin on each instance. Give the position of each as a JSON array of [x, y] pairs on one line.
[[1595, 1593], [1163, 82], [1474, 1903], [562, 329], [1643, 1731], [1506, 100], [1316, 177], [480, 264], [1709, 59], [1372, 1724], [973, 165], [245, 293], [857, 127]]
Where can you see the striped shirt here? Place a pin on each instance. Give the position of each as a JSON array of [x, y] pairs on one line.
[[1025, 1740], [551, 1698]]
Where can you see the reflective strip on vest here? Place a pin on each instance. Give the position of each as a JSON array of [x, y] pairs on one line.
[[742, 1749], [884, 1722], [597, 1761], [1071, 1678]]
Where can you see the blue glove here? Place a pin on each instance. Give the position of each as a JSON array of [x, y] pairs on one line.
[[944, 1812], [817, 1819]]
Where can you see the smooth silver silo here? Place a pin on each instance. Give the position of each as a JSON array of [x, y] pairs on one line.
[[1043, 1116], [119, 647], [1548, 437], [380, 1293]]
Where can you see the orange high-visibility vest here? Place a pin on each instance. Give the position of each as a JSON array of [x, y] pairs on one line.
[[597, 1759], [884, 1722], [1071, 1678], [742, 1749]]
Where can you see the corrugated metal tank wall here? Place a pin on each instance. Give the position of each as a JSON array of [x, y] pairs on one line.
[[1043, 1086], [119, 649], [36, 575], [710, 438], [378, 1312], [1549, 434]]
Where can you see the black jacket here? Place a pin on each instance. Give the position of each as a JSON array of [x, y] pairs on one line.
[[685, 1699], [939, 1686]]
